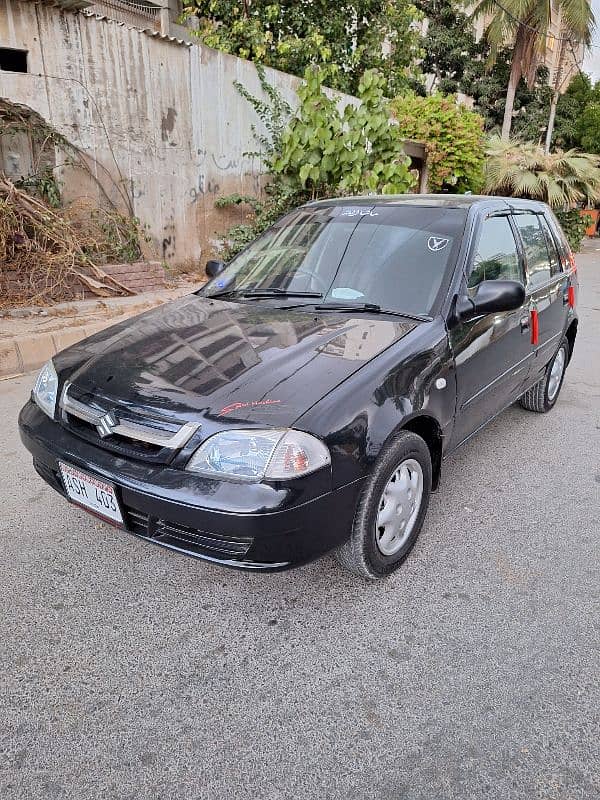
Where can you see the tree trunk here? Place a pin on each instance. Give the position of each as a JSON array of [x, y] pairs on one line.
[[513, 82], [555, 95], [550, 129]]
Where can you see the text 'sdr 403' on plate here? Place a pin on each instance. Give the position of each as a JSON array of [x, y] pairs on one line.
[[91, 493]]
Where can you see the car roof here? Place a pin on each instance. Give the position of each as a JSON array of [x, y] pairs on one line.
[[466, 201]]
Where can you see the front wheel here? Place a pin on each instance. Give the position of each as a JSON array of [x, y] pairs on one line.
[[391, 509], [543, 395]]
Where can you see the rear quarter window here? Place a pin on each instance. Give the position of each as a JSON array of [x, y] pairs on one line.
[[553, 253], [564, 248]]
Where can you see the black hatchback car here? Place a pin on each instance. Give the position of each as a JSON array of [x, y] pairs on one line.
[[303, 399]]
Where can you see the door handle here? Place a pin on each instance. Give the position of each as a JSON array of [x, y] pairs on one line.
[[524, 324]]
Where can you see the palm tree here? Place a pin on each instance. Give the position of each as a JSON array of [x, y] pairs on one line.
[[523, 169], [525, 24]]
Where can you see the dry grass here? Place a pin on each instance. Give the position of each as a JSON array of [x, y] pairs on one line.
[[44, 251]]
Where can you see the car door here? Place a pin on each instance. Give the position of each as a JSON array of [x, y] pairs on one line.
[[547, 286], [491, 351]]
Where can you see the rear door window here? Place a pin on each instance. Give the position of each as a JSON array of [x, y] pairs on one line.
[[536, 250]]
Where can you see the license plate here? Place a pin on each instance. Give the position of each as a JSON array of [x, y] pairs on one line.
[[91, 493]]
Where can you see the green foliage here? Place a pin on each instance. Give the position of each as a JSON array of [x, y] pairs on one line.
[[264, 212], [43, 185], [320, 151], [570, 108], [453, 136], [578, 115], [121, 237], [450, 52], [458, 63], [574, 225], [351, 36], [273, 111], [531, 105], [520, 22], [522, 169], [355, 151], [589, 128], [524, 25]]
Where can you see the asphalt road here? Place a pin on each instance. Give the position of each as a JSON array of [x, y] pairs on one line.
[[127, 671]]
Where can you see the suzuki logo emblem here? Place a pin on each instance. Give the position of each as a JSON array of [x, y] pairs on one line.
[[107, 424], [436, 243]]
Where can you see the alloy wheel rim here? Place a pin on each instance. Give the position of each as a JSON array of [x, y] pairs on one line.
[[556, 371], [399, 507]]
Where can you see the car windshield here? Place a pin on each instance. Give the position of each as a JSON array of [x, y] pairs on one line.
[[394, 257]]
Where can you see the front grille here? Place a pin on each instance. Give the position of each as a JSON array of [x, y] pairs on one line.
[[137, 521], [117, 444], [200, 540], [183, 537], [121, 429]]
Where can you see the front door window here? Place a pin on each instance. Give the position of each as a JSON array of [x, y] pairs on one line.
[[496, 256]]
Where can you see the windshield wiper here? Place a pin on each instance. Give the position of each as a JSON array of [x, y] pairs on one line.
[[225, 293], [275, 292], [372, 308], [278, 293]]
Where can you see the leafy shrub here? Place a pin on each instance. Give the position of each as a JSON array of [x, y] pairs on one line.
[[452, 134], [574, 225], [350, 152], [263, 213], [522, 169], [320, 151]]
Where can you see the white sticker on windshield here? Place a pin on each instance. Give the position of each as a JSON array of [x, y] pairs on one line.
[[346, 293], [354, 211], [436, 243]]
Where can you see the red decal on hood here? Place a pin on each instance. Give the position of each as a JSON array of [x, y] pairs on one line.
[[236, 406]]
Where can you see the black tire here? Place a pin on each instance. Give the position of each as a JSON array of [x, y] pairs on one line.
[[537, 398], [361, 554]]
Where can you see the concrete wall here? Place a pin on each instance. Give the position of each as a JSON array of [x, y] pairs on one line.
[[161, 117]]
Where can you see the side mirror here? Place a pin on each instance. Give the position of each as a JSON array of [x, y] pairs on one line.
[[491, 297], [213, 267]]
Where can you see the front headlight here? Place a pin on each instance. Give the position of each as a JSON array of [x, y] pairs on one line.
[[46, 388], [251, 455]]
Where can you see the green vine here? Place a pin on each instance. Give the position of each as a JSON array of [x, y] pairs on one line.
[[43, 185]]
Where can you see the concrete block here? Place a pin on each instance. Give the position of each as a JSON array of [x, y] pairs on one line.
[[9, 360], [66, 338], [34, 351]]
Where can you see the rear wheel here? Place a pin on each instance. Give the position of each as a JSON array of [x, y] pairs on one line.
[[391, 509], [543, 395]]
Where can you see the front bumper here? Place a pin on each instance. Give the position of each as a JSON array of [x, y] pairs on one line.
[[249, 526]]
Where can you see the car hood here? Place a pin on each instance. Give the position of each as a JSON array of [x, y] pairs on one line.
[[230, 361]]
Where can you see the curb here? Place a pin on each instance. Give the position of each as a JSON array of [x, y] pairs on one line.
[[24, 354]]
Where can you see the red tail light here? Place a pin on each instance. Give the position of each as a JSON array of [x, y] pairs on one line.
[[571, 296]]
